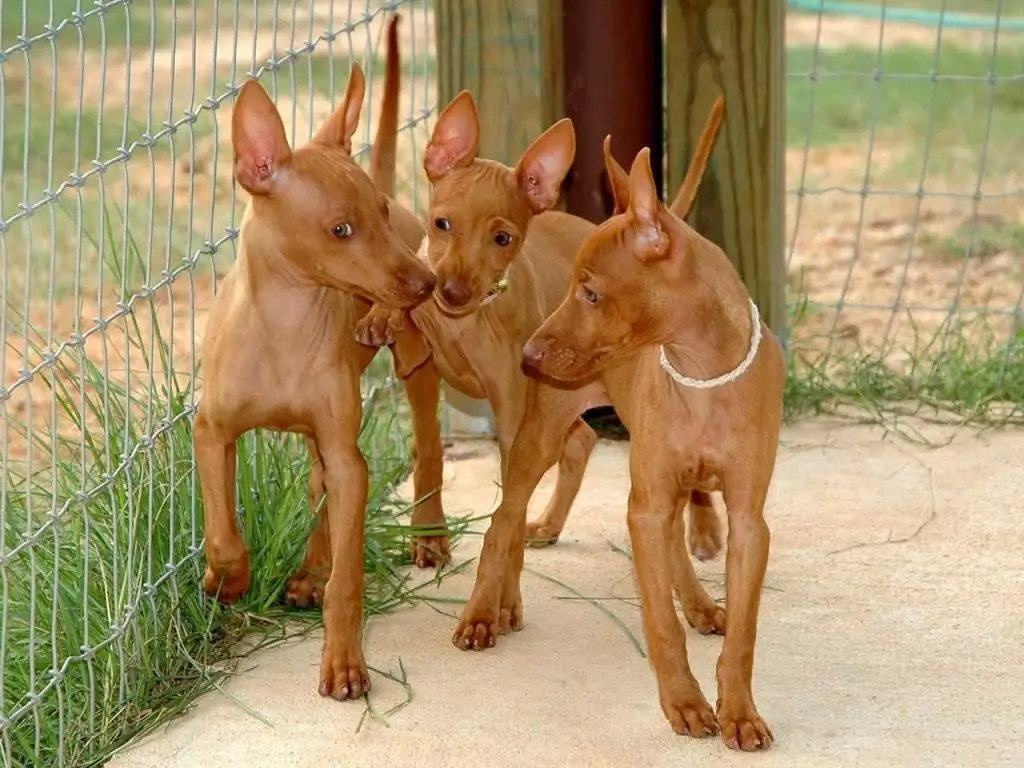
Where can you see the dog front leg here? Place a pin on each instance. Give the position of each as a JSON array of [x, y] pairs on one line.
[[747, 548], [652, 506], [227, 561], [343, 673], [423, 388], [496, 603]]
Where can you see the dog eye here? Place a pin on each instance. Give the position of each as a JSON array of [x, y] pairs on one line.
[[502, 238], [590, 296], [443, 224], [342, 230]]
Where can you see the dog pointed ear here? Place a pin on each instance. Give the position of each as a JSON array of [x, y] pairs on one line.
[[644, 209], [341, 126], [258, 139], [453, 144], [543, 166], [618, 180]]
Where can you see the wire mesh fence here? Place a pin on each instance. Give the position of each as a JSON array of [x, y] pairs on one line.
[[904, 227], [118, 213]]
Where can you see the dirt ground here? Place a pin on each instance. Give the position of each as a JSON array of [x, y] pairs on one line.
[[891, 632]]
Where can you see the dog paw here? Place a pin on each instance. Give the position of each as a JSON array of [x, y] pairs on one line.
[[707, 619], [689, 713], [228, 584], [540, 535], [343, 674], [478, 629], [380, 327], [304, 590], [430, 551], [743, 728]]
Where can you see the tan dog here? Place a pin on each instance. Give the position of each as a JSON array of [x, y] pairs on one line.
[[705, 531], [503, 262], [657, 314], [280, 354]]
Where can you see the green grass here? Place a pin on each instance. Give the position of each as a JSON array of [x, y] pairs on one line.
[[965, 373], [109, 589], [847, 100]]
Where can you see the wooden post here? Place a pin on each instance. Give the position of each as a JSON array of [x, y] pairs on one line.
[[613, 85], [507, 53], [733, 47]]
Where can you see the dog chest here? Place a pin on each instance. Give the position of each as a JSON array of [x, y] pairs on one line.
[[697, 470]]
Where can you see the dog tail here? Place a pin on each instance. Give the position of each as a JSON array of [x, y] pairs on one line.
[[695, 173], [382, 158]]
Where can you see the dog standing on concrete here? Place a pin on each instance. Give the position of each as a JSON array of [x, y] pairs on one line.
[[657, 314], [280, 351]]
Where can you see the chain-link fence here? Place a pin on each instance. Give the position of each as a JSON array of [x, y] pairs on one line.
[[904, 215], [118, 213]]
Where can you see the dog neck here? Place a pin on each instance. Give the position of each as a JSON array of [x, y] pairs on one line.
[[277, 286], [716, 332]]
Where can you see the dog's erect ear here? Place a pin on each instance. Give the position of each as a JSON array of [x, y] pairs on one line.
[[542, 168], [618, 180], [258, 138], [341, 126], [454, 141], [644, 207]]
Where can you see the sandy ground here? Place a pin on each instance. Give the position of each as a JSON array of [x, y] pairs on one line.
[[890, 633]]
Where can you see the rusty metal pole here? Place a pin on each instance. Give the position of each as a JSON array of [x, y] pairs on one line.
[[612, 59], [612, 67]]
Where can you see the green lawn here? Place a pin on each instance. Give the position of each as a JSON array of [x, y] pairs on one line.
[[909, 95]]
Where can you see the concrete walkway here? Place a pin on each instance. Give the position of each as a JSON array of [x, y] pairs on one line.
[[906, 653]]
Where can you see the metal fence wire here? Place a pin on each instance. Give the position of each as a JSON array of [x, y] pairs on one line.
[[118, 214], [904, 231]]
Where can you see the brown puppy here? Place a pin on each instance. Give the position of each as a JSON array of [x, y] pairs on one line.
[[503, 261], [420, 378], [279, 350], [705, 531], [658, 315]]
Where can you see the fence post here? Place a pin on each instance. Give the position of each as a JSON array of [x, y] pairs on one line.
[[613, 85], [507, 53], [737, 48]]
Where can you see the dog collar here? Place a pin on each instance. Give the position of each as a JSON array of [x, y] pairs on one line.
[[499, 287], [725, 378]]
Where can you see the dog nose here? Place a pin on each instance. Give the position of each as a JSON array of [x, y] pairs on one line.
[[456, 293], [532, 354], [422, 285]]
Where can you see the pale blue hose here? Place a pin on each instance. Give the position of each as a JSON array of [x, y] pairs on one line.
[[908, 15]]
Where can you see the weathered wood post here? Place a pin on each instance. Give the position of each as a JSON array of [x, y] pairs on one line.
[[733, 47]]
